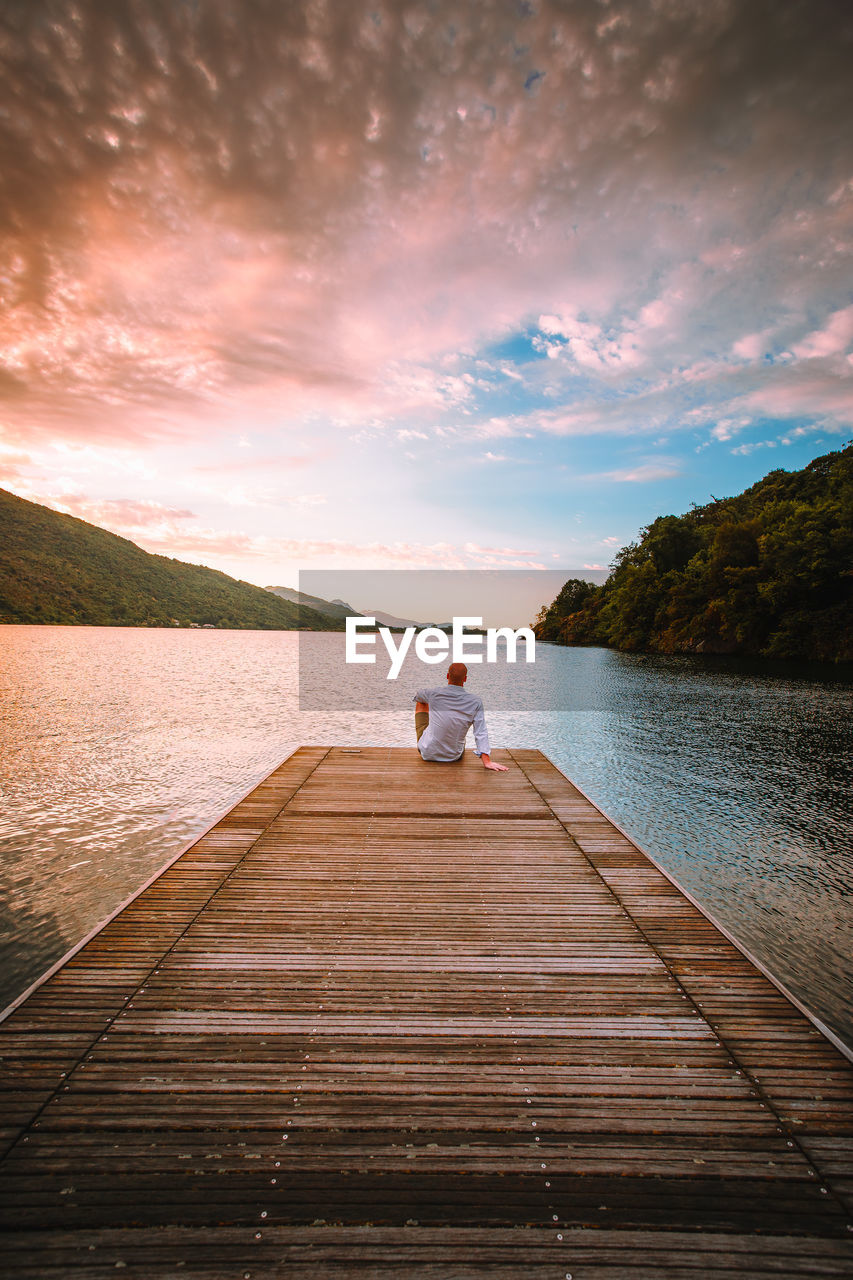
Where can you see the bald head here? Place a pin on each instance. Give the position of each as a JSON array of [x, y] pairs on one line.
[[457, 673]]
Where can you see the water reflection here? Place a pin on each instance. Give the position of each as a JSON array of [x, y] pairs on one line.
[[121, 744]]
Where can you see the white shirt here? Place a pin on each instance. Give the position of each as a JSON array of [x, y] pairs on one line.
[[452, 711]]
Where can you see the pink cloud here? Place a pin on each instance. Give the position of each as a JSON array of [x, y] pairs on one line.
[[833, 339], [315, 226], [120, 514], [751, 346], [801, 392], [271, 223], [13, 464], [240, 546], [168, 531], [474, 549]]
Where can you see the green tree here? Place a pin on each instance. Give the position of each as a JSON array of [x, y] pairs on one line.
[[767, 571]]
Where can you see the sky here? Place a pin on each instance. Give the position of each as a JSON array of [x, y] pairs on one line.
[[390, 285]]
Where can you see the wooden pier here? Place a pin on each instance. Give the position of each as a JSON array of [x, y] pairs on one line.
[[391, 1019]]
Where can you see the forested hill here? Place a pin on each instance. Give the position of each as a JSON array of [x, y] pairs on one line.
[[768, 572], [55, 568]]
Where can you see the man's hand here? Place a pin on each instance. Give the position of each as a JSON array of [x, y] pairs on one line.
[[489, 763]]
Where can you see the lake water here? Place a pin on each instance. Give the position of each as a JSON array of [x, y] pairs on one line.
[[118, 745]]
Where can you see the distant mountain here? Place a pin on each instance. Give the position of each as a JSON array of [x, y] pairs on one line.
[[57, 569], [329, 608], [388, 619], [340, 609]]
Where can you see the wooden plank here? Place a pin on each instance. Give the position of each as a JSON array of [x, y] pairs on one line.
[[398, 1019]]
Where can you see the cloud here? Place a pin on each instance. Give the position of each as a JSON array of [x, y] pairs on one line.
[[752, 345], [833, 339], [585, 343], [807, 391], [178, 532], [745, 449], [644, 474], [208, 544], [377, 240], [13, 465], [502, 557], [220, 206], [125, 516], [725, 429]]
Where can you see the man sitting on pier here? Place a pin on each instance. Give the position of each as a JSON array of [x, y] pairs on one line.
[[443, 717]]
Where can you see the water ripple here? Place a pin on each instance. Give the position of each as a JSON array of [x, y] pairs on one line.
[[121, 744]]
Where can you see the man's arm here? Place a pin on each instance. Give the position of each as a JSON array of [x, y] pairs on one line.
[[481, 740]]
